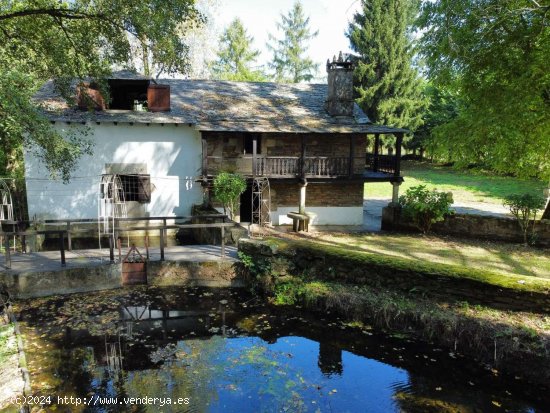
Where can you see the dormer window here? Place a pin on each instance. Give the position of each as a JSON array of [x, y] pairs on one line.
[[125, 93]]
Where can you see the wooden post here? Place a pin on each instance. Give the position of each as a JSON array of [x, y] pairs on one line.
[[164, 223], [376, 152], [111, 248], [254, 153], [62, 247], [147, 246], [204, 158], [223, 241], [303, 158], [162, 244], [119, 246], [23, 238], [69, 240], [7, 248], [397, 158], [351, 154]]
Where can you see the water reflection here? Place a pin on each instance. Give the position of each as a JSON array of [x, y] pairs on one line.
[[226, 355]]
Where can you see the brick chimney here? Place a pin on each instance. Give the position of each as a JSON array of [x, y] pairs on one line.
[[340, 87]]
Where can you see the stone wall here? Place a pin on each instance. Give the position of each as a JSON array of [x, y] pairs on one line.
[[228, 148], [212, 236], [108, 276], [471, 226], [326, 194]]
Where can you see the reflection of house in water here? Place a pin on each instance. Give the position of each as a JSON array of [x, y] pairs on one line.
[[330, 359]]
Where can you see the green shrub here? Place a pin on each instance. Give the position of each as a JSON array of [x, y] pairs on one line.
[[525, 207], [228, 188], [424, 207]]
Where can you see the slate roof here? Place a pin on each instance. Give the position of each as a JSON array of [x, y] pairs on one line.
[[229, 106]]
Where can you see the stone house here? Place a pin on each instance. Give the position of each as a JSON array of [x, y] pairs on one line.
[[296, 144]]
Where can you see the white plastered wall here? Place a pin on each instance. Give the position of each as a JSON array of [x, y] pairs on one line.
[[172, 155], [321, 215]]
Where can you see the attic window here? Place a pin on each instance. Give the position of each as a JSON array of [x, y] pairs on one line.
[[248, 143], [125, 91], [136, 187]]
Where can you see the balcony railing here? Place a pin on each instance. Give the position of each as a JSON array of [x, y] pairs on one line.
[[282, 166], [381, 163], [278, 166], [295, 166]]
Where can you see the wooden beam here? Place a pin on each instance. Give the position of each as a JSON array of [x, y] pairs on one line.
[[397, 159], [254, 153], [303, 158], [351, 154], [204, 157], [376, 152]]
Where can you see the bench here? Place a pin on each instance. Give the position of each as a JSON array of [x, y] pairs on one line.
[[300, 222]]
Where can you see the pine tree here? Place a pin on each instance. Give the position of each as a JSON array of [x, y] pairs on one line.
[[389, 87], [289, 60], [236, 55]]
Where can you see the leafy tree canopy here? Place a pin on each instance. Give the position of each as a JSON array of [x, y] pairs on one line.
[[45, 39], [289, 60], [389, 87], [236, 56], [494, 55], [442, 108]]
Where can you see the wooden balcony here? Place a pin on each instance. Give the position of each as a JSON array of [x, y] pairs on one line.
[[381, 163], [376, 166], [282, 166]]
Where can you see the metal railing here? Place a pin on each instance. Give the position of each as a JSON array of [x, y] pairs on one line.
[[66, 233]]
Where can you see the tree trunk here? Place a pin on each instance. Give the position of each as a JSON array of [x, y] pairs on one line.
[[546, 213]]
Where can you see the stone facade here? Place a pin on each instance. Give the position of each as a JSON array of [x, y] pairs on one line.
[[327, 194], [226, 150]]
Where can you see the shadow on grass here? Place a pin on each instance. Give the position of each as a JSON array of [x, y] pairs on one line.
[[391, 246]]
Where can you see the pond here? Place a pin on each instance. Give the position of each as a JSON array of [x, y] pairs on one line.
[[222, 350]]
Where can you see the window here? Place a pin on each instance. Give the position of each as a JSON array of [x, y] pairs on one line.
[[248, 142], [136, 188], [124, 92]]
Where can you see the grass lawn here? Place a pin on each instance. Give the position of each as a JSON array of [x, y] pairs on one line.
[[503, 258], [465, 186]]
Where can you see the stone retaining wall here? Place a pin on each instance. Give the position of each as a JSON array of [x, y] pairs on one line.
[[108, 276], [470, 226], [212, 236]]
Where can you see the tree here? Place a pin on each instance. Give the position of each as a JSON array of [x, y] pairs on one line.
[[228, 188], [202, 40], [442, 108], [289, 60], [236, 56], [494, 55], [389, 87], [46, 39], [524, 208]]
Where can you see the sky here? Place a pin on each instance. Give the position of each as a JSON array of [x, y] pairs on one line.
[[329, 17]]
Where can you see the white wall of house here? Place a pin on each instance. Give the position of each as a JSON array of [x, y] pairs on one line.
[[172, 156], [321, 215]]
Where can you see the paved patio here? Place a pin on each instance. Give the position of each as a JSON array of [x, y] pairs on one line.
[[51, 260]]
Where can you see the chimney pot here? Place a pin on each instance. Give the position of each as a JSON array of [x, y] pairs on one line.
[[340, 87]]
